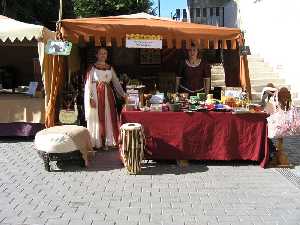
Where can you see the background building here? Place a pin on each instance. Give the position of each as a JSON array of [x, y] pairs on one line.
[[270, 28]]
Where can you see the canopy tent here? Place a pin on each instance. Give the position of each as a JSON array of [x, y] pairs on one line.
[[12, 30], [175, 34]]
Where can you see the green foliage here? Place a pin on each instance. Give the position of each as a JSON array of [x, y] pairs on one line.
[[45, 12], [93, 8]]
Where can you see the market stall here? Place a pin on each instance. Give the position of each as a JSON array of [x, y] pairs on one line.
[[199, 130], [114, 31], [22, 115]]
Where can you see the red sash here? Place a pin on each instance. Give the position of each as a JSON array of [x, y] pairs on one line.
[[101, 110]]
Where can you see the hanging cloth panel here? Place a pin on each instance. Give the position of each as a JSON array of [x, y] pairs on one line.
[[55, 75], [244, 75]]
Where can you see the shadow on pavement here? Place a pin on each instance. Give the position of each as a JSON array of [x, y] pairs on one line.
[[110, 160], [170, 167], [16, 139]]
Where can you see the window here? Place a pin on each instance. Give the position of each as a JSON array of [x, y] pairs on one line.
[[204, 12], [177, 13], [217, 11], [191, 13], [184, 15], [211, 11], [197, 12]]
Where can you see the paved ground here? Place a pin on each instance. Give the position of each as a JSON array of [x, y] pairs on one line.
[[203, 193]]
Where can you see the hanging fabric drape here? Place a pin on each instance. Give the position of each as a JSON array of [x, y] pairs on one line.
[[244, 75], [53, 79]]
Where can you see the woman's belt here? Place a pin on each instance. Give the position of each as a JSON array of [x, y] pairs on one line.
[[98, 82]]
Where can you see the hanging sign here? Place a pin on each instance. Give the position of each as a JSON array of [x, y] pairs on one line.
[[245, 50], [56, 47], [143, 41]]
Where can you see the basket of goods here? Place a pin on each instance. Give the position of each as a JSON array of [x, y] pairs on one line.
[[230, 101]]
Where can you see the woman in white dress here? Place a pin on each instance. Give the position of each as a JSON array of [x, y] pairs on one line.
[[99, 102]]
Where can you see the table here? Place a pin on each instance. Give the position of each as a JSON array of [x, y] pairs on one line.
[[21, 115], [203, 135]]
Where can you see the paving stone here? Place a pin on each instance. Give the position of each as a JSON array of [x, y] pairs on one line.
[[35, 220], [79, 222], [224, 193], [57, 222]]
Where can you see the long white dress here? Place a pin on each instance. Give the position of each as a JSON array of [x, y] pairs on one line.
[[91, 114]]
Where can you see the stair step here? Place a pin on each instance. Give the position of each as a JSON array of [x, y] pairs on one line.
[[260, 70], [255, 59], [258, 82], [264, 75], [263, 80], [296, 102], [217, 77], [217, 72], [257, 95], [258, 88]]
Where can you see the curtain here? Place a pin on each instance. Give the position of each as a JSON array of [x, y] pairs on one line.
[[244, 75], [54, 67]]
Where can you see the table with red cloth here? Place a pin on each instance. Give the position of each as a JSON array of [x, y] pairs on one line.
[[203, 135]]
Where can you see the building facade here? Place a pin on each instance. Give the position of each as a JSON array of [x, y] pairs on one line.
[[207, 12], [269, 26]]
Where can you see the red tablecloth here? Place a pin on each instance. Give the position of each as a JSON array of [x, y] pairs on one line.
[[203, 135]]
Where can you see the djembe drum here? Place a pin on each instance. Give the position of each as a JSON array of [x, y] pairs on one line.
[[132, 144]]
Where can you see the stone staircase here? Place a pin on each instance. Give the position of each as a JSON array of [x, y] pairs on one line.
[[260, 74]]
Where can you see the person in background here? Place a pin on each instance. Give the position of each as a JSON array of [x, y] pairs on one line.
[[195, 72], [99, 101], [267, 93], [268, 102]]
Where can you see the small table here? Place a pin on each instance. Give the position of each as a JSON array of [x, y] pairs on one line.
[[21, 115]]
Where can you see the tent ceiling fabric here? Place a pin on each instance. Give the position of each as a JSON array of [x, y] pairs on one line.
[[173, 32], [12, 30]]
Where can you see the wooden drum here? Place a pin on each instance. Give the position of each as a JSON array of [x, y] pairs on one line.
[[132, 144]]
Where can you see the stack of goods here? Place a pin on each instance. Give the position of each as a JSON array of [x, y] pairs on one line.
[[134, 90]]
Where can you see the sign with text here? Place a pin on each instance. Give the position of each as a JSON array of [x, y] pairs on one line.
[[143, 41]]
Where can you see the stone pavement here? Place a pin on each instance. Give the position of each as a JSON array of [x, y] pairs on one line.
[[204, 193]]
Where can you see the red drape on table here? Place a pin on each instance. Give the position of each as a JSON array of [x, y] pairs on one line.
[[204, 135]]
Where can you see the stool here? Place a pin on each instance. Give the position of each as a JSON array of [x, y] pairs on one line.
[[132, 145], [60, 143]]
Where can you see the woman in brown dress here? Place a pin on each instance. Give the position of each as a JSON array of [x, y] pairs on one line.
[[193, 71]]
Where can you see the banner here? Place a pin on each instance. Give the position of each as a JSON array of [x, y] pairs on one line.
[[143, 41]]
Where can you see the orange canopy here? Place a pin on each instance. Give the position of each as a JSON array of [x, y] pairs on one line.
[[173, 32]]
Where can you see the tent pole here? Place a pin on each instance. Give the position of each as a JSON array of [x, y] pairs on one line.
[[4, 7], [60, 10]]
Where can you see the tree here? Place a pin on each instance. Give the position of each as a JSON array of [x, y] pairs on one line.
[[45, 12], [92, 8]]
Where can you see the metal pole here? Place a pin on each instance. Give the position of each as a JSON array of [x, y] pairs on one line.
[[60, 10], [159, 8]]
